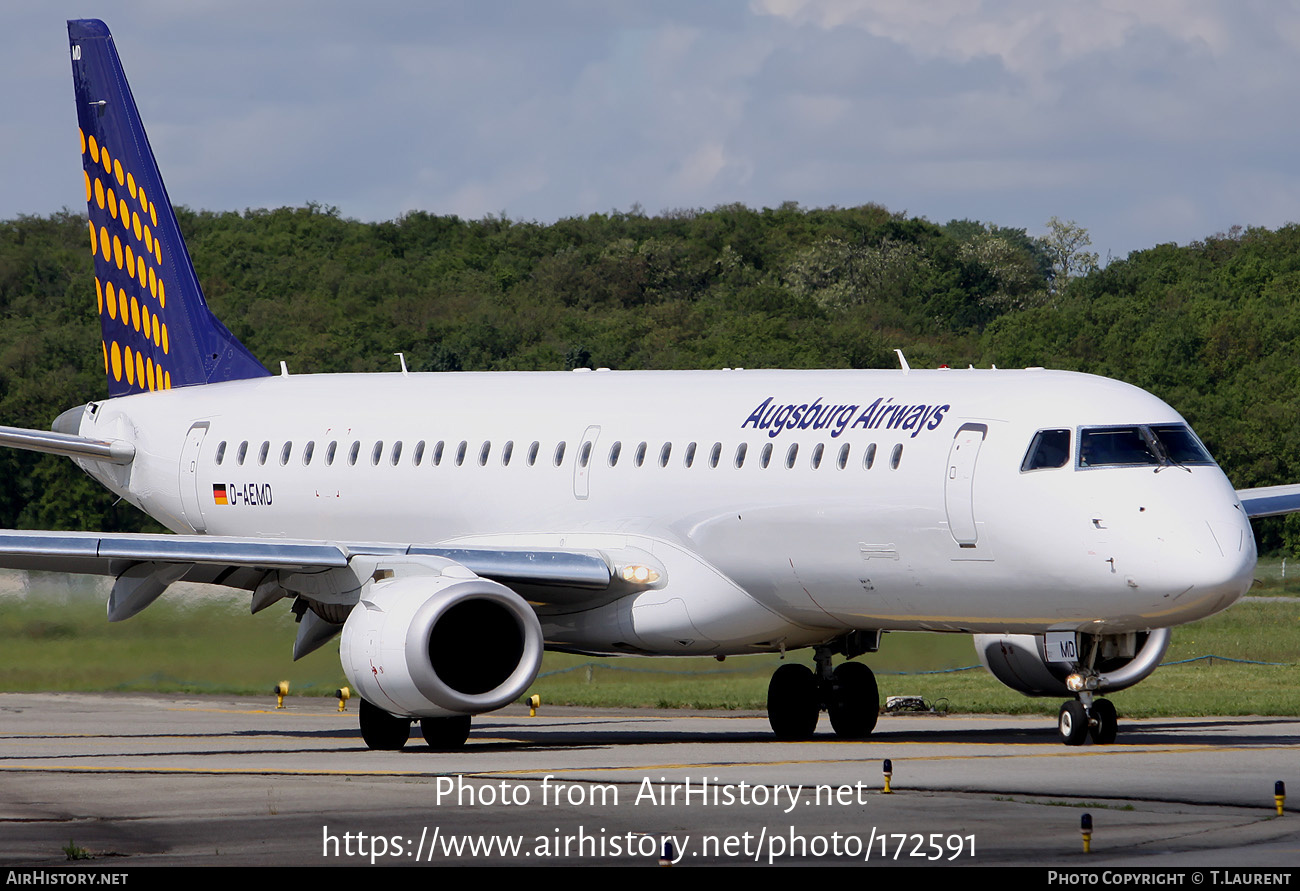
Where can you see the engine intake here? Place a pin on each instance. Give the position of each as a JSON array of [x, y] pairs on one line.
[[439, 645]]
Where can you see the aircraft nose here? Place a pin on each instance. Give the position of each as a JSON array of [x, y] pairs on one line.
[[1208, 561]]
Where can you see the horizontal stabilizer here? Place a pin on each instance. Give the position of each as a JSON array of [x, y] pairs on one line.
[[110, 451]]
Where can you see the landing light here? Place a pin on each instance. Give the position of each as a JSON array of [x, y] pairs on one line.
[[1077, 683], [639, 574]]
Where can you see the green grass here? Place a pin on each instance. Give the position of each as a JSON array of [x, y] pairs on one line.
[[74, 851], [57, 640], [1277, 576]]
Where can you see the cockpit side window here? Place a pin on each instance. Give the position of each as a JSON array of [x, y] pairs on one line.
[[1181, 444], [1050, 448]]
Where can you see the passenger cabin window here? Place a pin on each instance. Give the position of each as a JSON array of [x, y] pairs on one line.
[[532, 452], [896, 456], [354, 452], [397, 453], [1049, 448], [664, 454], [843, 460], [377, 452], [870, 457], [437, 453], [506, 451], [715, 454], [614, 451], [818, 451], [483, 453], [690, 454], [640, 455], [263, 452], [559, 454], [765, 457], [584, 456], [221, 451], [329, 452], [284, 453], [418, 455], [460, 452], [792, 455], [307, 451], [741, 450], [242, 453]]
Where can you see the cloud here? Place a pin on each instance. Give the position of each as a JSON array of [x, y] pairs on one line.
[[1142, 119]]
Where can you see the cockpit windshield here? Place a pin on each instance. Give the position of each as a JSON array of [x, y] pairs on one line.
[[1155, 445]]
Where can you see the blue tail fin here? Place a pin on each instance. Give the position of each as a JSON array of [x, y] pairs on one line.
[[158, 331]]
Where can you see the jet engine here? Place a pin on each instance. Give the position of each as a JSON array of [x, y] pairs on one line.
[[440, 645], [1020, 661]]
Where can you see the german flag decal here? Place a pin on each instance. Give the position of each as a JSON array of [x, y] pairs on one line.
[[219, 493]]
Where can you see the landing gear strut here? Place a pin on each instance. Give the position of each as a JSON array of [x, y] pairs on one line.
[[796, 696]]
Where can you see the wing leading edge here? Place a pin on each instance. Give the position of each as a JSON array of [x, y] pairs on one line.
[[549, 576]]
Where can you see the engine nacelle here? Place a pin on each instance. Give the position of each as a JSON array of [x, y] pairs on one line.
[[1020, 661], [440, 645]]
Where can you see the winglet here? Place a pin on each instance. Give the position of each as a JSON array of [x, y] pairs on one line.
[[157, 330]]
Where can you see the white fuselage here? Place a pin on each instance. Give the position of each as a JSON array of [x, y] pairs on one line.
[[942, 531]]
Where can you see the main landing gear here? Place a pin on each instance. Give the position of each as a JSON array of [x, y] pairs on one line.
[[796, 695], [1086, 716], [386, 732]]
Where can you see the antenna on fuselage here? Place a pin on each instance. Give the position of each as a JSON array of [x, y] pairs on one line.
[[401, 357], [902, 360]]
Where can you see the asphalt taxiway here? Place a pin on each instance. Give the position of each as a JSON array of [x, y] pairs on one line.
[[141, 779]]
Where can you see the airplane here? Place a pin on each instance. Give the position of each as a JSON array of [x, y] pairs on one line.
[[450, 527]]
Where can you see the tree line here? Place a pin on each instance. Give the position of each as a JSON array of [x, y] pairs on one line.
[[1211, 327]]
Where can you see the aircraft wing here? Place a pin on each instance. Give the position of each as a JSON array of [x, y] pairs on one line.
[[153, 562], [1270, 501]]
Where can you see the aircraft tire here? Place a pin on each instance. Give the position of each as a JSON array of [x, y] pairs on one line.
[[1072, 722], [445, 734], [792, 702], [854, 702], [1105, 722], [383, 731]]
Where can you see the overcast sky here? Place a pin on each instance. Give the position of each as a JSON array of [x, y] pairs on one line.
[[1146, 122]]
